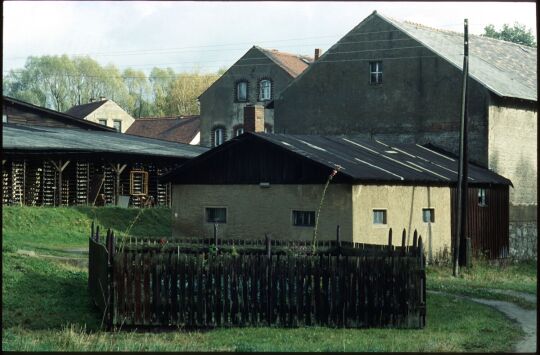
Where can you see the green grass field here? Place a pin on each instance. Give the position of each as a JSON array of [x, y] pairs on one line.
[[46, 306]]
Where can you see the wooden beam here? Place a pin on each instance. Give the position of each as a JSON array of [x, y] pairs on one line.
[[64, 166]]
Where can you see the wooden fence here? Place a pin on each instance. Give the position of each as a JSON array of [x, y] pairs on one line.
[[342, 285]]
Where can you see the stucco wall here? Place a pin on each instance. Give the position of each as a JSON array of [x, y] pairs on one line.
[[404, 206], [253, 211], [111, 112], [218, 106], [418, 101]]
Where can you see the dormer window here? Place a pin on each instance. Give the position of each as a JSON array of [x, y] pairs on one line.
[[265, 90], [375, 72], [241, 91]]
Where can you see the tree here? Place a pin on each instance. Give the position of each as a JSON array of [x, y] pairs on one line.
[[160, 80], [185, 90], [517, 34]]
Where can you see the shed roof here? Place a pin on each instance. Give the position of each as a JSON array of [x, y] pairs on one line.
[[63, 117], [507, 69], [33, 139], [81, 111], [363, 160], [180, 129]]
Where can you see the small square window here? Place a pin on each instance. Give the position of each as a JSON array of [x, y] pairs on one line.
[[117, 125], [103, 122], [379, 216], [428, 215], [216, 215], [375, 72], [482, 200], [304, 218]]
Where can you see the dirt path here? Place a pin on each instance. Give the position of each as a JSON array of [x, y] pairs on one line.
[[525, 318]]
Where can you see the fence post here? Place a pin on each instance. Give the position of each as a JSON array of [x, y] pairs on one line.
[[92, 231], [422, 268], [110, 244], [404, 241], [215, 236], [338, 239], [415, 239], [390, 241], [97, 234]]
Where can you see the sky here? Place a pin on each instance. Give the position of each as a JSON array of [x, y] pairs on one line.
[[207, 36]]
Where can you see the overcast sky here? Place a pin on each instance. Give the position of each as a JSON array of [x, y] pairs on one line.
[[211, 35]]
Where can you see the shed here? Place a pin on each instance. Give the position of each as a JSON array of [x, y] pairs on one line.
[[261, 183]]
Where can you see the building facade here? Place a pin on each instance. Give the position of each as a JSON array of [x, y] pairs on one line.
[[255, 79], [105, 112], [401, 82]]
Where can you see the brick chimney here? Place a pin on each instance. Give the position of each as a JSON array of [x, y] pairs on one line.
[[254, 118], [317, 54]]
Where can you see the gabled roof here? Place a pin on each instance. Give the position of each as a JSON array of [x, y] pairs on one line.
[[180, 129], [293, 64], [362, 160], [63, 117], [507, 69], [84, 110], [17, 138]]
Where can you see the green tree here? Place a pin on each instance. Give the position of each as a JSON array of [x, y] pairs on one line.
[[517, 34], [185, 90], [138, 89], [160, 80]]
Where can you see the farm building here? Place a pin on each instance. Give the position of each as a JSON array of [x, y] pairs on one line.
[[105, 112], [180, 129], [261, 183], [401, 82], [53, 159]]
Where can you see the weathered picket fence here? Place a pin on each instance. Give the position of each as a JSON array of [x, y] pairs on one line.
[[160, 283]]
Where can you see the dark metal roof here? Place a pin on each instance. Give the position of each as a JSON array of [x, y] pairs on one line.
[[18, 138], [65, 117], [81, 111], [373, 160]]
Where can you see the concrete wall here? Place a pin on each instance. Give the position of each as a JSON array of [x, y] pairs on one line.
[[218, 104], [111, 112], [253, 211], [404, 206], [418, 101], [513, 153]]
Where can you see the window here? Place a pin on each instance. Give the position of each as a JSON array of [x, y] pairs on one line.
[[103, 122], [218, 136], [238, 130], [216, 215], [375, 71], [428, 215], [117, 125], [265, 90], [138, 182], [482, 201], [268, 128], [304, 218], [379, 216], [4, 118], [241, 91]]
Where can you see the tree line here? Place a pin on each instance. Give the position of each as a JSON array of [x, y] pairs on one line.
[[61, 82]]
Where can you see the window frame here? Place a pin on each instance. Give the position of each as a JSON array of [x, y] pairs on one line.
[[431, 215], [237, 93], [238, 128], [101, 120], [385, 217], [265, 80], [119, 125], [223, 136], [377, 71], [303, 218], [482, 197], [144, 175], [215, 208], [268, 128]]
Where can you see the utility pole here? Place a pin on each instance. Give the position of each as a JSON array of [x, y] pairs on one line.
[[462, 187]]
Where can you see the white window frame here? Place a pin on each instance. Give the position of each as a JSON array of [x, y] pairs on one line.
[[219, 135], [4, 118], [375, 68], [376, 220], [239, 85], [265, 90], [238, 131]]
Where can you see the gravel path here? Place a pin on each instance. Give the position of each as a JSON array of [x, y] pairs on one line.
[[525, 318]]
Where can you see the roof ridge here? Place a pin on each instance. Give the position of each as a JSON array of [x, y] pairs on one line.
[[273, 50]]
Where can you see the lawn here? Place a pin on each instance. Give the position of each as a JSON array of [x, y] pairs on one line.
[[46, 306]]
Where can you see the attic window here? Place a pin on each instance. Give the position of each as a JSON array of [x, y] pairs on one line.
[[375, 72]]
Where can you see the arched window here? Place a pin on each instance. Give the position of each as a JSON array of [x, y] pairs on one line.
[[265, 90], [242, 91], [238, 130], [218, 136]]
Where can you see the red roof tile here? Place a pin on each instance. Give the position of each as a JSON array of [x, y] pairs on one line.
[[294, 64], [180, 129]]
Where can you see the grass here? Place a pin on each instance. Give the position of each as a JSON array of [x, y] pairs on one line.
[[46, 306]]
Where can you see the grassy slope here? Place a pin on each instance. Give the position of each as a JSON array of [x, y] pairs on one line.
[[46, 305]]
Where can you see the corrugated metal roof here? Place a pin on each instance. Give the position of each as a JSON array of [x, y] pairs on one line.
[[508, 69], [367, 160], [24, 138]]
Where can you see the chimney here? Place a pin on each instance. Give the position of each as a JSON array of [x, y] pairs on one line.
[[254, 118], [317, 54]]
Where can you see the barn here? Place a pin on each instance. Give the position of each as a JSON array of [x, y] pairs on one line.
[[292, 186], [54, 159]]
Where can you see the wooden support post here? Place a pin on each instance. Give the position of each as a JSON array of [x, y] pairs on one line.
[[60, 168], [118, 169]]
